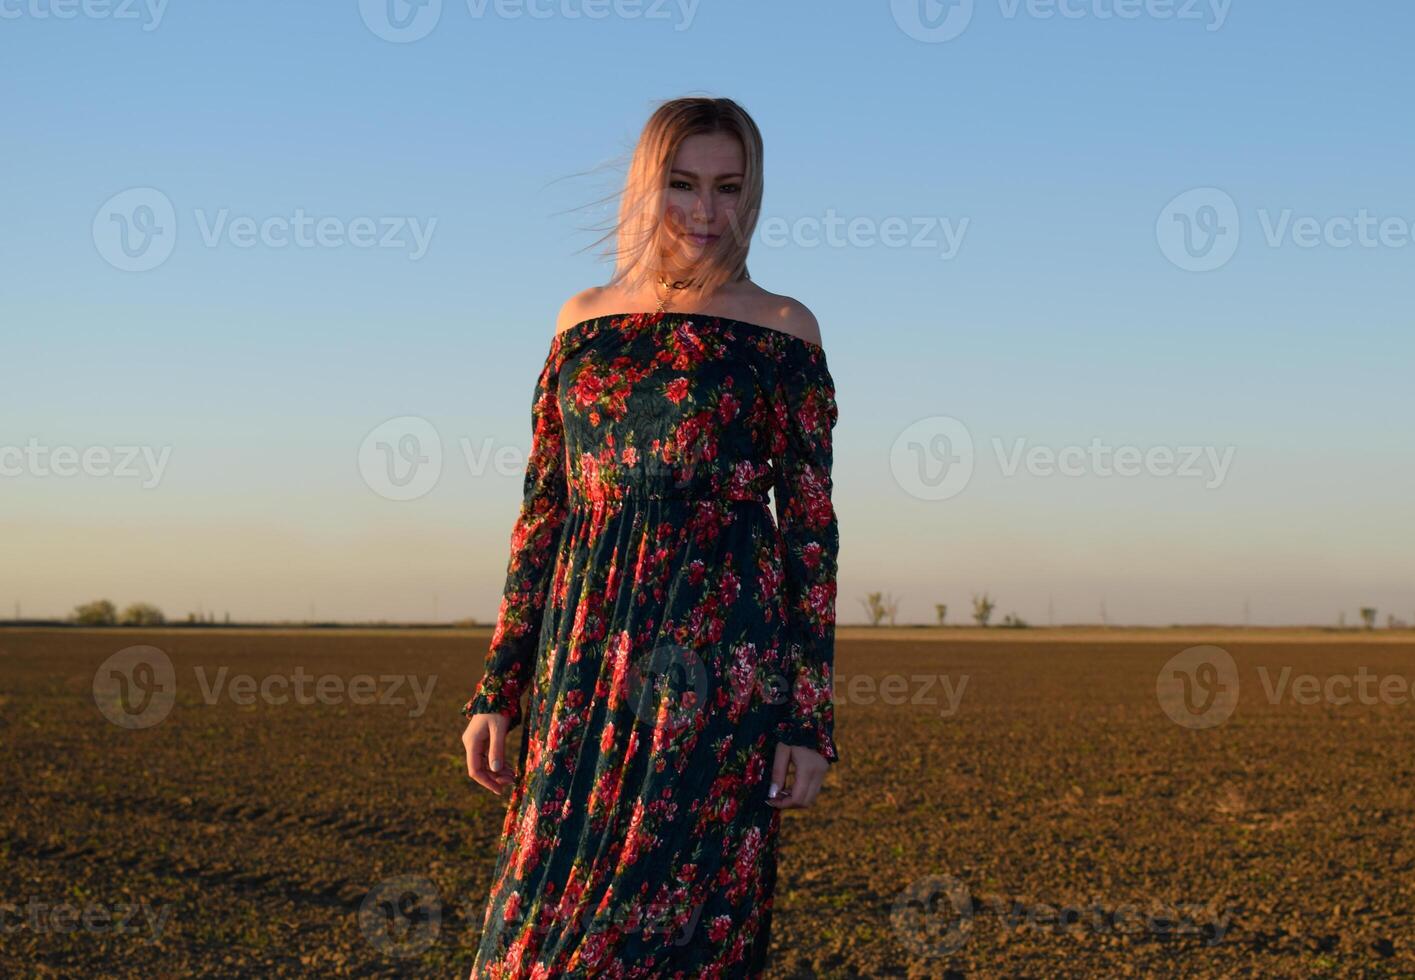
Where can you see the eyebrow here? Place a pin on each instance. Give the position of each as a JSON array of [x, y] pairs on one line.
[[689, 173]]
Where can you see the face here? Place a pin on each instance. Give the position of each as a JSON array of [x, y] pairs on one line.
[[704, 188]]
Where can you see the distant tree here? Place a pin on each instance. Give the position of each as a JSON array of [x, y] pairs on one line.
[[143, 614], [101, 612], [942, 610], [876, 608], [879, 606], [1368, 616], [1013, 621], [983, 606]]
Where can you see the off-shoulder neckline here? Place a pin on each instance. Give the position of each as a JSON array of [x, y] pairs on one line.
[[701, 316]]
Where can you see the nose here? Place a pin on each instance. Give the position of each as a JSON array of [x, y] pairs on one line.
[[702, 208]]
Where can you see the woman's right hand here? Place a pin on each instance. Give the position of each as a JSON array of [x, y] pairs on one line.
[[485, 741]]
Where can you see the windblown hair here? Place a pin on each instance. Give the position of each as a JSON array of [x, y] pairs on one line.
[[642, 233]]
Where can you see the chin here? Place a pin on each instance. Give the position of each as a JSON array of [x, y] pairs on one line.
[[689, 252]]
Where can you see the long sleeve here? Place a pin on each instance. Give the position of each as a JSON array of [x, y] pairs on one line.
[[806, 413], [534, 544]]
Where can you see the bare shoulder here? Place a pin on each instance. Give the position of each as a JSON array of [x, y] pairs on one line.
[[579, 308], [789, 316]]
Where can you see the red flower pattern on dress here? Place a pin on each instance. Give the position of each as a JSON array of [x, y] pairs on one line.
[[637, 841]]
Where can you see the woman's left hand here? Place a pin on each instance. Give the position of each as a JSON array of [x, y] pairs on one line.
[[808, 769]]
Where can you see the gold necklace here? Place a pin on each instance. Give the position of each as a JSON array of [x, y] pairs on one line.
[[672, 285]]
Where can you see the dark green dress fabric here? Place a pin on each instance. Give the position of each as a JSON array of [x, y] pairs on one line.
[[669, 632]]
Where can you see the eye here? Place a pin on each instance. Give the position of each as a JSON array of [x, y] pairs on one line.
[[679, 185], [731, 188]]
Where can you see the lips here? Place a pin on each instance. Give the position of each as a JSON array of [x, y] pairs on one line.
[[702, 239]]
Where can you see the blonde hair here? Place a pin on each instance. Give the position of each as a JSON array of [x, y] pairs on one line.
[[641, 232]]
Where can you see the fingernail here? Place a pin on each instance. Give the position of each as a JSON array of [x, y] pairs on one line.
[[496, 766], [771, 791]]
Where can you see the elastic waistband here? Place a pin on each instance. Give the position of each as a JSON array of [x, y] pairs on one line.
[[577, 498], [746, 484]]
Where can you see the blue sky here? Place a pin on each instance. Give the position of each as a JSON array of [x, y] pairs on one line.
[[1046, 166]]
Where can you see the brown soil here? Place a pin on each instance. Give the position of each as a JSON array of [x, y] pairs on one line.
[[276, 839]]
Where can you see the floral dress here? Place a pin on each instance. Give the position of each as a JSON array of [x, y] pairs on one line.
[[669, 633]]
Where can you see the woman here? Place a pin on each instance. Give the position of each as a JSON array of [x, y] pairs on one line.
[[676, 642]]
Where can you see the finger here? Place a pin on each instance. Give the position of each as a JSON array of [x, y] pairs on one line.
[[476, 742], [496, 752], [778, 773], [800, 784], [789, 795], [473, 738], [484, 735], [813, 782]]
